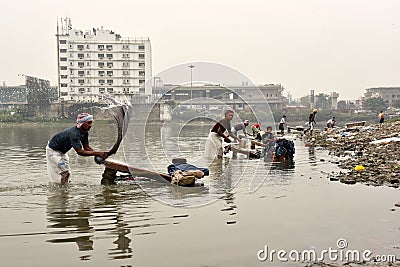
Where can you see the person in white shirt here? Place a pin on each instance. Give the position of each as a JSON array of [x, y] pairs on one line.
[[282, 124], [331, 122]]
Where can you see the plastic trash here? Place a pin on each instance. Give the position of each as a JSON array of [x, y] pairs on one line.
[[359, 168]]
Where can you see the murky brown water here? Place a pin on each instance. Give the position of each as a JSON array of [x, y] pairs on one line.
[[220, 224]]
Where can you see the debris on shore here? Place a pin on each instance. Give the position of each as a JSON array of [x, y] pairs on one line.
[[368, 154]]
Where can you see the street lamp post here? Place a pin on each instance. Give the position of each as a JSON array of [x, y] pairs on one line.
[[191, 80], [191, 74]]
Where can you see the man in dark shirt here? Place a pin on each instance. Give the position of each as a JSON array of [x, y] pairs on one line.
[[214, 142], [75, 137], [269, 140], [311, 121]]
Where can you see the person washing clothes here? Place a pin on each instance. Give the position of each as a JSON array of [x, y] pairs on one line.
[[76, 137]]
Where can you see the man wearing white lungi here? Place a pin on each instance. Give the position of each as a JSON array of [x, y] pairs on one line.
[[75, 137], [214, 141]]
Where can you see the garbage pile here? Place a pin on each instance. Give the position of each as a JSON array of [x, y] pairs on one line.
[[369, 154]]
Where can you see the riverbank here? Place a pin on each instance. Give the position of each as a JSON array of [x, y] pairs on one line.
[[368, 154]]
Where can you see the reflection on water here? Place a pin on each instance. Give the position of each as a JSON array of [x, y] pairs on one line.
[[73, 217], [125, 224]]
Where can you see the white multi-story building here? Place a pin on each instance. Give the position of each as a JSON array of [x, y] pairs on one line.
[[96, 64]]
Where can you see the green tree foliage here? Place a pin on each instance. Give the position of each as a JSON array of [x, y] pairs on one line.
[[323, 101], [396, 103], [374, 104], [342, 105]]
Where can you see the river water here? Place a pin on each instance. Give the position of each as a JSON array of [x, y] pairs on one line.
[[149, 223]]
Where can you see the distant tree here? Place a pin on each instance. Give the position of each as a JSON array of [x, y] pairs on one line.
[[374, 104], [323, 101], [305, 101], [396, 103], [342, 104]]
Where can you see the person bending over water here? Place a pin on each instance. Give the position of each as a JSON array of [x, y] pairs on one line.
[[76, 137], [214, 141]]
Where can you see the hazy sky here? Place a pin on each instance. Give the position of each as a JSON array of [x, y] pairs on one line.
[[326, 45]]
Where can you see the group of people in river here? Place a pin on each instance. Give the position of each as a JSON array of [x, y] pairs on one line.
[[214, 145], [77, 137]]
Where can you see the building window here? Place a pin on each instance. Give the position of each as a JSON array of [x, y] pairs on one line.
[[88, 63], [81, 81], [80, 47], [81, 90], [81, 64], [64, 93], [141, 81], [141, 64], [141, 47], [109, 56], [64, 85], [63, 59], [71, 90], [109, 81], [64, 77], [80, 56], [110, 90], [101, 73], [141, 56], [109, 47], [125, 47], [110, 73], [125, 64], [125, 55], [100, 64], [88, 90], [109, 64], [88, 72], [63, 41], [101, 56], [141, 73], [81, 72], [100, 47], [63, 68], [125, 72], [63, 50], [102, 90], [101, 81]]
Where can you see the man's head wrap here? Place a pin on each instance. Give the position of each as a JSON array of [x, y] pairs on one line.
[[82, 118]]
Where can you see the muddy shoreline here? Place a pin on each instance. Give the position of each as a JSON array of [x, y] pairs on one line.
[[362, 154]]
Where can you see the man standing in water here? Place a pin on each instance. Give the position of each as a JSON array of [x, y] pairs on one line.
[[311, 121], [76, 137], [214, 141], [282, 124]]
